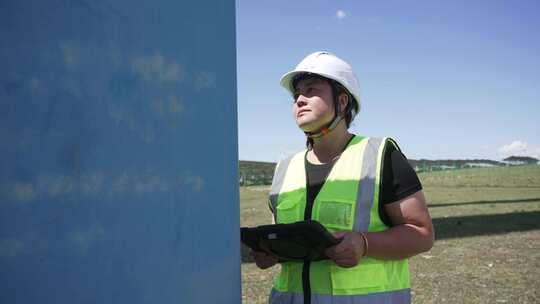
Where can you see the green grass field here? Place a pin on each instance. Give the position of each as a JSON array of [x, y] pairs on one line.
[[487, 247]]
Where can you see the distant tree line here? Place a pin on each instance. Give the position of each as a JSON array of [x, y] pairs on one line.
[[423, 165], [261, 173], [255, 173]]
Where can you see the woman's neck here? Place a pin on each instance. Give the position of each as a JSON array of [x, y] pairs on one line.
[[329, 147]]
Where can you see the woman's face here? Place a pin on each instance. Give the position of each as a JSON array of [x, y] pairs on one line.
[[313, 106]]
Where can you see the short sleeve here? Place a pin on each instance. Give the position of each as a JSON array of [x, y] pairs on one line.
[[399, 179]]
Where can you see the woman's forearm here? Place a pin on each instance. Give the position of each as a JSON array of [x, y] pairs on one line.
[[399, 242]]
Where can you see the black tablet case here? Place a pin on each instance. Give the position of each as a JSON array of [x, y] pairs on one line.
[[289, 242]]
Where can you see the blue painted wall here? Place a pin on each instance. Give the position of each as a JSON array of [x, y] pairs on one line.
[[118, 142]]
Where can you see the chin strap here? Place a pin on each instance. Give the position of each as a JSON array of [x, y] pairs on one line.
[[337, 118], [326, 129], [333, 123]]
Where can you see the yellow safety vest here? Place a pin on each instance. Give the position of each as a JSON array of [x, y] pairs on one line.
[[348, 201]]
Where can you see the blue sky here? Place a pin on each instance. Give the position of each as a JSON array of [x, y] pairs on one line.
[[446, 79]]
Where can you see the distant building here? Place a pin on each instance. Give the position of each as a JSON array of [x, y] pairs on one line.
[[520, 160], [478, 165], [445, 167]]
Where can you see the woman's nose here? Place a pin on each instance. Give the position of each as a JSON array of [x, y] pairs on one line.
[[300, 100]]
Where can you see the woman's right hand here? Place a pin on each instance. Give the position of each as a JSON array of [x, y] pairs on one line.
[[264, 260]]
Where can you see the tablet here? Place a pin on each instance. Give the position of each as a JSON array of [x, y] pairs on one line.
[[305, 240]]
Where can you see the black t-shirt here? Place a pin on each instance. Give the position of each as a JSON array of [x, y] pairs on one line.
[[399, 180]]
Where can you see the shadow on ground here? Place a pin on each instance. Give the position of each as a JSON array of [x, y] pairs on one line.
[[475, 225], [527, 200]]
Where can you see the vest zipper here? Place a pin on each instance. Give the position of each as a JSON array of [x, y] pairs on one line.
[[306, 285]]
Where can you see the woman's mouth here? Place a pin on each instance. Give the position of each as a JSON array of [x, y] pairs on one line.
[[301, 112]]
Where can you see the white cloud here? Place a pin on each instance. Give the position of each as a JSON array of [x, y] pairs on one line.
[[518, 148], [340, 14]]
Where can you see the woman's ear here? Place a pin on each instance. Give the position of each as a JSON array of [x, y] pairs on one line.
[[343, 101]]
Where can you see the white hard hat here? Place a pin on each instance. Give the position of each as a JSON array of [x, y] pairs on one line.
[[327, 65]]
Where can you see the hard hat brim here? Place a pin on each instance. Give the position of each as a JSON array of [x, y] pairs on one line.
[[287, 79]]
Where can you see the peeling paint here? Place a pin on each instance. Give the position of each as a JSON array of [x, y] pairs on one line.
[[83, 240], [70, 54], [148, 134], [25, 191], [90, 184], [194, 182], [37, 87], [10, 247], [122, 115], [157, 69], [120, 184], [176, 105], [59, 186], [158, 106], [204, 80]]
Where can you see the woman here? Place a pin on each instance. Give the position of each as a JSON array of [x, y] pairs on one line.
[[361, 189]]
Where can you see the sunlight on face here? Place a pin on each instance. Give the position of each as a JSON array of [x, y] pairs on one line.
[[313, 105]]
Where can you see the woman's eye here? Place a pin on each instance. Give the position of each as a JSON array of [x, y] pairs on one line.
[[295, 97]]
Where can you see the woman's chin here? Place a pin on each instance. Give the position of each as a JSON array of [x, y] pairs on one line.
[[307, 128], [308, 124]]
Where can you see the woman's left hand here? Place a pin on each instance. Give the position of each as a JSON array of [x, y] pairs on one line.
[[349, 251]]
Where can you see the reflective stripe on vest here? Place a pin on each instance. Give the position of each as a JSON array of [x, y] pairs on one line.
[[402, 296], [277, 183], [348, 201]]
